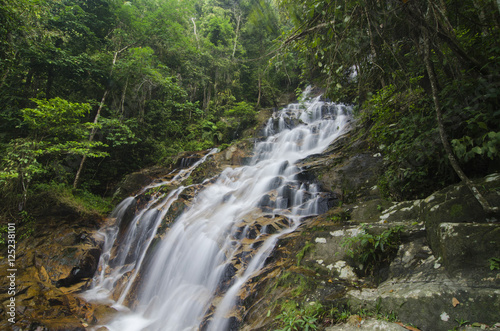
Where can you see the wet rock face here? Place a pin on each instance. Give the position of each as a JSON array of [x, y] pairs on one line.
[[440, 273], [358, 323], [351, 174], [132, 183], [442, 258], [85, 269], [53, 265], [458, 230]]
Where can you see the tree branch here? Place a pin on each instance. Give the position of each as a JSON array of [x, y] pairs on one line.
[[489, 210]]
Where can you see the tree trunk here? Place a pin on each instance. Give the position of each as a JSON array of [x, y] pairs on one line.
[[260, 91], [195, 33], [238, 20], [96, 118], [489, 210], [91, 138], [122, 102]]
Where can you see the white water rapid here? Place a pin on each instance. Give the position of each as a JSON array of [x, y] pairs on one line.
[[187, 280]]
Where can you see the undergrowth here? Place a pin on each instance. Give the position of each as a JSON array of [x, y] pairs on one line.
[[371, 249]]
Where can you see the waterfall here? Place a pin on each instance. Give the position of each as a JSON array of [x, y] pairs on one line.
[[192, 278]]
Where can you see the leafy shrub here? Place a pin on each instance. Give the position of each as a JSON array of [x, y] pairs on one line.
[[240, 117], [371, 249], [494, 263], [402, 124], [294, 317]]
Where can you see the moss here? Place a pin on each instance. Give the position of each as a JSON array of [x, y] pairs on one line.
[[300, 255], [297, 281], [456, 210]]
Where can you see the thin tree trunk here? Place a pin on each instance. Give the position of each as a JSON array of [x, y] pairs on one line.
[[373, 50], [369, 30], [91, 138], [260, 92], [489, 210], [195, 33], [238, 20], [96, 118], [122, 102]]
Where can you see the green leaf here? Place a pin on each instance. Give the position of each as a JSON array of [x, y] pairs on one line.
[[482, 125], [477, 150]]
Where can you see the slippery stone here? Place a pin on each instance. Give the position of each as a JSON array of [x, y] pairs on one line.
[[369, 324], [439, 275]]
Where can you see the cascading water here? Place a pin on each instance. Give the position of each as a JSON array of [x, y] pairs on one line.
[[127, 240], [194, 276]]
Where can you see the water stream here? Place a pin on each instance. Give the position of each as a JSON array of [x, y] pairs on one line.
[[191, 279]]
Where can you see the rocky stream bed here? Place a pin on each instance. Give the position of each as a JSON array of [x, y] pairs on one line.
[[440, 275]]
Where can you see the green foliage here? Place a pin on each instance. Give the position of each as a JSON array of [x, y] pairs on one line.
[[488, 145], [343, 315], [239, 117], [342, 216], [117, 133], [336, 218], [28, 224], [300, 255], [81, 200], [56, 132], [3, 234], [172, 76], [494, 263], [294, 317], [371, 249], [218, 30], [404, 127], [370, 53], [54, 116], [56, 128], [297, 283], [461, 322]]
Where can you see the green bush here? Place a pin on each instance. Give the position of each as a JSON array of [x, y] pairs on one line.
[[239, 117], [370, 249], [296, 317], [403, 125]]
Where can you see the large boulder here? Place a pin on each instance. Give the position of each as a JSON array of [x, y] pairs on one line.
[[458, 229], [351, 173], [441, 276], [53, 265]]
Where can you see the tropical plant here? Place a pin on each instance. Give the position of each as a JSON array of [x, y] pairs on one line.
[[372, 249], [293, 317]]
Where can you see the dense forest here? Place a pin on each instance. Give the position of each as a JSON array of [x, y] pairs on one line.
[[94, 89]]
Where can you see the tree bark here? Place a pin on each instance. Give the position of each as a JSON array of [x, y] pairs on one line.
[[420, 22], [489, 210], [260, 91], [238, 20], [122, 102], [96, 118], [91, 138], [195, 33]]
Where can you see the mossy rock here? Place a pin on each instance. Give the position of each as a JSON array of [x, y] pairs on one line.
[[457, 226]]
